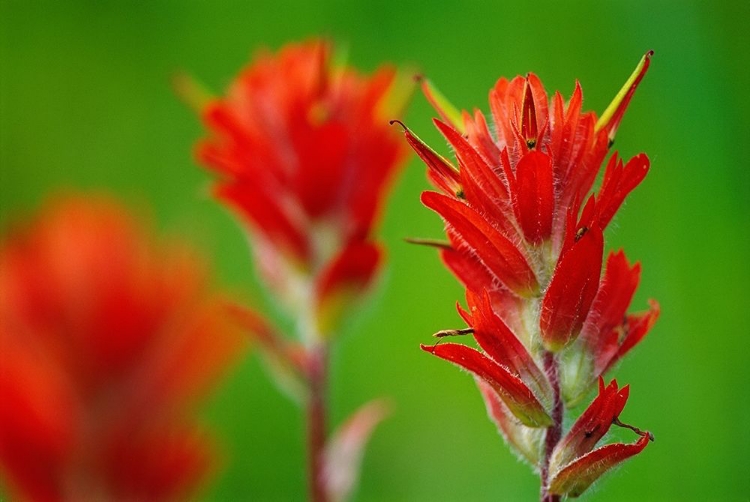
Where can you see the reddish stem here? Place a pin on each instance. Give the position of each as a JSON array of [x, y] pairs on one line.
[[316, 422], [554, 432]]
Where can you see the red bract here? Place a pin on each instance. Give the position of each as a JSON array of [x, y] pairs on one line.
[[106, 341], [526, 238], [305, 156], [573, 465]]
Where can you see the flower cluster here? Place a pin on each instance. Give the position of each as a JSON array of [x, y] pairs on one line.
[[525, 237], [305, 156], [107, 340]]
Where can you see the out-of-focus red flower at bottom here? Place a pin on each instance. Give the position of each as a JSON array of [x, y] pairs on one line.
[[106, 342]]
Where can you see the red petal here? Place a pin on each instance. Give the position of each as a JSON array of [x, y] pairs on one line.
[[483, 188], [572, 290], [479, 137], [499, 342], [618, 182], [592, 425], [516, 395], [534, 196], [577, 476], [495, 250], [469, 270], [608, 310], [636, 327]]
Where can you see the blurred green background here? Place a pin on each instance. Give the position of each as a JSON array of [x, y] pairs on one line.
[[86, 104]]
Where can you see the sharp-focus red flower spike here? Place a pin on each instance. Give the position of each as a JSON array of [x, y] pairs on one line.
[[572, 290], [526, 239], [520, 400], [107, 341], [470, 231]]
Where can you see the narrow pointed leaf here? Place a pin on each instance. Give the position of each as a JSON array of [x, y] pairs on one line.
[[344, 451], [610, 119]]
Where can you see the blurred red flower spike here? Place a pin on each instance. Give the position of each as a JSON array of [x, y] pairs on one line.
[[517, 396], [572, 290], [305, 155], [346, 447], [576, 477], [470, 230], [108, 340], [272, 216]]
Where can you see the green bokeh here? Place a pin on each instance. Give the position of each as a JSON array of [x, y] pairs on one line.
[[85, 103]]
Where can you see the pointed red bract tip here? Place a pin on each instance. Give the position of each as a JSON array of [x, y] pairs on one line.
[[610, 119]]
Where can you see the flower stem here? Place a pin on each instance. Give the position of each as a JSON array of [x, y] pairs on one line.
[[316, 421], [554, 432]]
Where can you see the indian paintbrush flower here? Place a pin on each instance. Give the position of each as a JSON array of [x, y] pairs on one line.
[[526, 239], [107, 340], [305, 155]]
